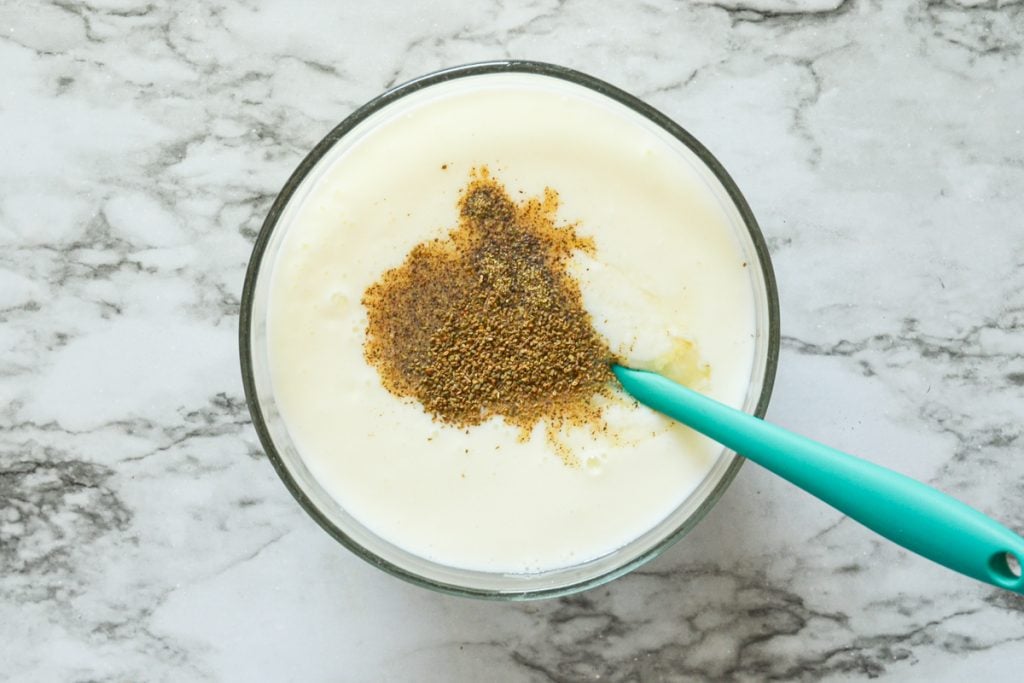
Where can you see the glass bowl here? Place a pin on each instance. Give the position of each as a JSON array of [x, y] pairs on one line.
[[332, 516]]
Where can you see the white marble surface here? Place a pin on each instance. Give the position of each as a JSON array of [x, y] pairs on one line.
[[144, 536]]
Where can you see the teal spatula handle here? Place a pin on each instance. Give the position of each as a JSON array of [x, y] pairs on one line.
[[902, 509]]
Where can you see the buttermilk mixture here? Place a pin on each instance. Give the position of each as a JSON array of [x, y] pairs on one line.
[[453, 281]]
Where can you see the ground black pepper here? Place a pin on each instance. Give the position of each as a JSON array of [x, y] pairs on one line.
[[487, 321]]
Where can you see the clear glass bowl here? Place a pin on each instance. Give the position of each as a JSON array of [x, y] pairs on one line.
[[332, 516]]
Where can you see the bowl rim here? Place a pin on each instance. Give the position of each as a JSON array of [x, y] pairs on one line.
[[309, 162]]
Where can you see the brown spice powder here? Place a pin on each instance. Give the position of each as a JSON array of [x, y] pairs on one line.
[[487, 321]]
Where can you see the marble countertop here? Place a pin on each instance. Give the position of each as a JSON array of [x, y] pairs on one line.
[[144, 535]]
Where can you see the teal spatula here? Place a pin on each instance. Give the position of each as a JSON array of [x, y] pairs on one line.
[[905, 511]]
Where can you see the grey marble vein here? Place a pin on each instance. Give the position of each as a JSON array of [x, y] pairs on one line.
[[143, 535]]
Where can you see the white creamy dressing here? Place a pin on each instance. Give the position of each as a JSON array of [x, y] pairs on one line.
[[668, 269]]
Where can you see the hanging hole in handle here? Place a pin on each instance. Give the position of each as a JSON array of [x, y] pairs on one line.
[[1006, 567]]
